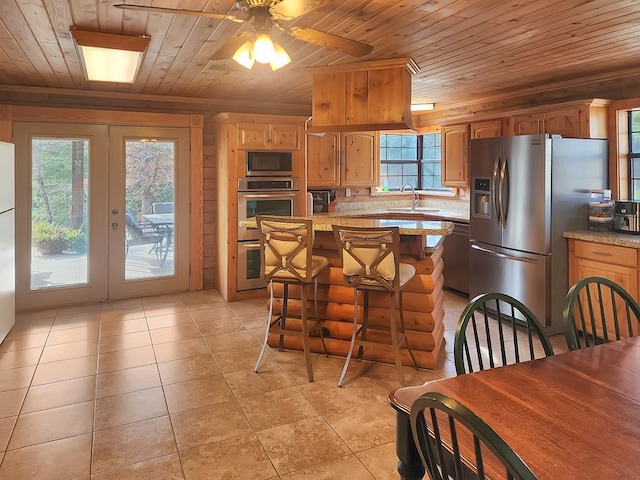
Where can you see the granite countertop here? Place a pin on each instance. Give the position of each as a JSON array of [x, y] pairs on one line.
[[430, 214], [322, 222], [609, 238]]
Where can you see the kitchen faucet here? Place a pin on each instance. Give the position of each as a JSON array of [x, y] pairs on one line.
[[414, 197]]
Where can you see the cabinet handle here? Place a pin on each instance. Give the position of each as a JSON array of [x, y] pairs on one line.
[[602, 254]]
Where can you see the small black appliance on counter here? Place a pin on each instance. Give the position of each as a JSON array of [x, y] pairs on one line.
[[627, 216], [322, 199]]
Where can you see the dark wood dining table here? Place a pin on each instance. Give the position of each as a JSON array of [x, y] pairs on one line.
[[574, 415]]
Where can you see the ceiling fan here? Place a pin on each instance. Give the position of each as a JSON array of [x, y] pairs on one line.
[[262, 15]]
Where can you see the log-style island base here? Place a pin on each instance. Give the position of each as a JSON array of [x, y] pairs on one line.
[[423, 296]]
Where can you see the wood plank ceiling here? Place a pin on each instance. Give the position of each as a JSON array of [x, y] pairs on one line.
[[469, 51]]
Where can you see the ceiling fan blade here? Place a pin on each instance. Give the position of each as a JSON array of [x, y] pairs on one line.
[[195, 13], [290, 9], [328, 40], [229, 47]]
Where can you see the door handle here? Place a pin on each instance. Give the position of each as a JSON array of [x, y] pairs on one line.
[[503, 255], [495, 189]]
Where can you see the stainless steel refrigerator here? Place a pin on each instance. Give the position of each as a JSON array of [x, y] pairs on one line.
[[527, 190], [7, 240]]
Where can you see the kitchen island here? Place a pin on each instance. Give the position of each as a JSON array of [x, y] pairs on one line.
[[421, 244]]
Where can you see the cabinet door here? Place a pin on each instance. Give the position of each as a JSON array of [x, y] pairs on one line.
[[563, 122], [488, 129], [284, 136], [528, 124], [323, 160], [626, 277], [360, 159], [455, 156], [253, 135]]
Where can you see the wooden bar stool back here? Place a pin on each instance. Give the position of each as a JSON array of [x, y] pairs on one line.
[[370, 262], [286, 245]]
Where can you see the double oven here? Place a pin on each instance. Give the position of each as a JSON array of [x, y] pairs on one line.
[[267, 189]]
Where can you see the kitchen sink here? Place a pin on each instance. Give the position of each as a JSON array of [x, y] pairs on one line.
[[413, 210]]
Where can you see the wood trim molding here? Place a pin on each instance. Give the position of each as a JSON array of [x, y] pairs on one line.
[[197, 203]]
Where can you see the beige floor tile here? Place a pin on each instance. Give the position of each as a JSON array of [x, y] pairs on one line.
[[324, 368], [122, 326], [230, 341], [11, 401], [301, 444], [129, 358], [234, 459], [132, 443], [163, 468], [114, 343], [58, 394], [247, 382], [381, 461], [121, 315], [193, 347], [365, 426], [127, 380], [16, 378], [254, 306], [154, 309], [122, 305], [34, 321], [170, 320], [52, 424], [200, 392], [22, 341], [58, 460], [333, 469], [129, 407], [255, 320], [66, 351], [187, 369], [82, 310], [212, 313], [276, 408], [214, 423], [174, 334], [328, 398], [65, 370], [81, 320], [242, 359], [219, 325], [6, 427], [20, 358]]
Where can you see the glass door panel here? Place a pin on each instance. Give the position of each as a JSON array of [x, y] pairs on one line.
[[149, 210], [60, 216]]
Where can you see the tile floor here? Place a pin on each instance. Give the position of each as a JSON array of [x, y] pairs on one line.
[[163, 388]]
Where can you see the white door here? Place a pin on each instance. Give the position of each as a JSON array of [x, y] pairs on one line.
[[70, 246]]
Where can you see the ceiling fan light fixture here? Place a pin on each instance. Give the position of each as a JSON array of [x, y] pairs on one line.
[[263, 49], [109, 57], [244, 55], [280, 58]]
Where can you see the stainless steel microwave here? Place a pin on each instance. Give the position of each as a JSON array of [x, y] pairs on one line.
[[262, 164]]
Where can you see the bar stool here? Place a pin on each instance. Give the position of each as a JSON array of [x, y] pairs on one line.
[[370, 262], [286, 245]]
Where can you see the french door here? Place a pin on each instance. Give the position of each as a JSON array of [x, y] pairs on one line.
[[75, 185]]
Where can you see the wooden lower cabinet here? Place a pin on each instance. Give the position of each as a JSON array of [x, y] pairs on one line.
[[618, 264]]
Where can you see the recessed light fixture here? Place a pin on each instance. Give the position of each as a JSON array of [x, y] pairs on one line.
[[109, 57], [420, 107]]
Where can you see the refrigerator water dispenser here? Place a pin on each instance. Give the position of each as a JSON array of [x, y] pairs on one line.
[[481, 197]]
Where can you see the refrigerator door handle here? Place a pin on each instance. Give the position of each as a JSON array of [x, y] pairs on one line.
[[502, 255], [495, 189], [504, 191]]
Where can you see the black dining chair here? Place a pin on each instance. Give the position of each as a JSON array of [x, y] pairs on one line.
[[496, 329], [137, 234], [598, 310], [455, 444]]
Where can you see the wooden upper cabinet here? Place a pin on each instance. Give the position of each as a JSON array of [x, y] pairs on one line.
[[347, 159], [455, 155], [488, 129], [362, 96], [269, 136], [585, 119], [323, 160], [360, 166]]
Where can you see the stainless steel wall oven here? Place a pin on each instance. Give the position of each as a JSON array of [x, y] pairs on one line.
[[261, 196]]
